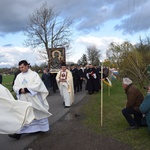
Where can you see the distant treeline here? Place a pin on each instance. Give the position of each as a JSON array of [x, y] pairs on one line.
[[14, 69]]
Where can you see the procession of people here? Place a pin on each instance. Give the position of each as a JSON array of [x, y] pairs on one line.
[[84, 78], [30, 112]]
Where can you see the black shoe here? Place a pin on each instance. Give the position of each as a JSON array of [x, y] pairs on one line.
[[15, 136], [132, 127], [66, 106]]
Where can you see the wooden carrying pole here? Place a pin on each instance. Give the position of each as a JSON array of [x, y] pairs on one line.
[[102, 95]]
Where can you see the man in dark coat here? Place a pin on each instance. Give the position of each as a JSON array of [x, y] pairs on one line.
[[15, 75], [85, 77], [92, 84], [53, 81], [134, 100], [75, 75], [98, 79], [1, 79], [46, 79], [81, 76]]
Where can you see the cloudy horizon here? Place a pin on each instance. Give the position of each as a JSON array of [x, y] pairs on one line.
[[97, 22]]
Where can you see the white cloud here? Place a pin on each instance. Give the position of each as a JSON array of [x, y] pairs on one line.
[[10, 56], [100, 42], [102, 20], [91, 14]]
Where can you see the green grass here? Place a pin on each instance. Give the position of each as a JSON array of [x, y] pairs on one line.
[[114, 124], [7, 81]]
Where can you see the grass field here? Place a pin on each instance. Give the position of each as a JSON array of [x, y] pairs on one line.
[[7, 81], [114, 124]]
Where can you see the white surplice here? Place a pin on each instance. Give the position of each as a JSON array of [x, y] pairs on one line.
[[14, 114], [37, 97], [66, 88]]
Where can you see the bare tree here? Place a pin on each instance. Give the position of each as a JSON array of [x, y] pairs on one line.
[[83, 60], [133, 66], [45, 29], [93, 54], [115, 51], [130, 62]]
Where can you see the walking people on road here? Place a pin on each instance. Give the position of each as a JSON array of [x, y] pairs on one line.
[[29, 87], [65, 84], [46, 78], [53, 82], [75, 75], [92, 84], [81, 76]]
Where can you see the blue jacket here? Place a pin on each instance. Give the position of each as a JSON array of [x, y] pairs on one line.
[[145, 109]]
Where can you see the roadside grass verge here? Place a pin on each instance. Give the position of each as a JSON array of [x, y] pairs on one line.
[[7, 81], [114, 124]]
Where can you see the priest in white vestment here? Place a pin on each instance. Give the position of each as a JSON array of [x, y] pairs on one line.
[[14, 114], [29, 87], [65, 84]]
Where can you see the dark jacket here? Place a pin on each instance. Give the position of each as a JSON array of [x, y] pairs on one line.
[[134, 97], [1, 79], [46, 79]]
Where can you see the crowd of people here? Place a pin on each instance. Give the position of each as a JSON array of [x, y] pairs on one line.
[[89, 76], [74, 76], [32, 92]]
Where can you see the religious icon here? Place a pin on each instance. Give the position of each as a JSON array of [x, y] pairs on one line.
[[57, 56]]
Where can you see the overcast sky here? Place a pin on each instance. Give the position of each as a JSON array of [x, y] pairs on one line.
[[97, 22]]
